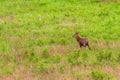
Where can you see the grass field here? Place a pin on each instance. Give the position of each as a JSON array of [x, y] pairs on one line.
[[36, 40]]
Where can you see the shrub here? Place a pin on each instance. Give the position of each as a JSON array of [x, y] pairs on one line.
[[33, 56], [40, 42], [45, 52], [52, 41], [74, 58], [31, 43], [105, 56], [118, 57], [63, 41], [42, 67], [61, 69], [99, 75], [5, 46], [55, 59]]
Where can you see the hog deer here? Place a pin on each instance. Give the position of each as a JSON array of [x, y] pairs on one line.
[[83, 42]]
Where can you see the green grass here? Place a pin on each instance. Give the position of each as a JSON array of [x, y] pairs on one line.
[[37, 34], [98, 75]]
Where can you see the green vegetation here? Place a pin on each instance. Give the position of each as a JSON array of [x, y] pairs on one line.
[[36, 39], [98, 75]]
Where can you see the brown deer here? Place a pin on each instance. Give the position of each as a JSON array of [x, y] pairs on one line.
[[83, 42]]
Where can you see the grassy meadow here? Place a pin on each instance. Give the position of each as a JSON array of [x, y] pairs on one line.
[[36, 40]]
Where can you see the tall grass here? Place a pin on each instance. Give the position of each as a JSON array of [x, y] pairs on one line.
[[37, 34]]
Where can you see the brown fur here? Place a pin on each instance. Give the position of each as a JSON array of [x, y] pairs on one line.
[[83, 42]]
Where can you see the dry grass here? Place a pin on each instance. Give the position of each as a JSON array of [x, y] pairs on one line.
[[20, 73]]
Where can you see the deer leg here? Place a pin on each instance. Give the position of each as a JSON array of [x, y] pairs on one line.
[[80, 45], [88, 46]]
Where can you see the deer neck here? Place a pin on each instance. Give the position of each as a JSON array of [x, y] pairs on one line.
[[78, 38]]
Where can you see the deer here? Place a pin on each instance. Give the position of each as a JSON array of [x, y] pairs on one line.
[[83, 42]]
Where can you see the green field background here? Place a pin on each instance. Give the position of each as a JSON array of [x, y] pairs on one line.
[[36, 40]]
